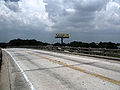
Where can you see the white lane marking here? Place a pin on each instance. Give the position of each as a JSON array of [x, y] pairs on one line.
[[25, 76]]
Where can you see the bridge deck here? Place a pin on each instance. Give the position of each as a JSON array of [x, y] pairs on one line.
[[45, 70]]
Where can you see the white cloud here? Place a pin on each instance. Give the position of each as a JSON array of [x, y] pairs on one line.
[[60, 15], [108, 18], [24, 13], [70, 10]]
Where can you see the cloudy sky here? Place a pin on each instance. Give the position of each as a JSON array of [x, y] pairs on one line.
[[85, 20]]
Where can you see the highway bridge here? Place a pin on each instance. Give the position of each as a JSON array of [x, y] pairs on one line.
[[31, 69]]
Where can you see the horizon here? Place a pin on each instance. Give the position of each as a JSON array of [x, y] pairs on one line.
[[63, 42]]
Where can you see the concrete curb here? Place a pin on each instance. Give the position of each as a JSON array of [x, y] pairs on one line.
[[4, 75], [22, 73], [103, 57]]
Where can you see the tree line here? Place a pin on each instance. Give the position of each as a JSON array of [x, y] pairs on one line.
[[22, 42], [33, 42], [108, 45]]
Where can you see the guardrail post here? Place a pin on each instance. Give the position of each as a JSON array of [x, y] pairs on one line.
[[104, 52], [89, 50]]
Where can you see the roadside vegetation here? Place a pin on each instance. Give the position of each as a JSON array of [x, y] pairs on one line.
[[33, 42]]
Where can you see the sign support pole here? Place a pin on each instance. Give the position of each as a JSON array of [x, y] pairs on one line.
[[62, 36], [61, 41]]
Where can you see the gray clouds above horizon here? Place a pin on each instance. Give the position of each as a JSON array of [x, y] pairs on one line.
[[86, 20]]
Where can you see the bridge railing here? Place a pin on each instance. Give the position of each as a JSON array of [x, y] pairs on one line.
[[93, 51], [90, 51]]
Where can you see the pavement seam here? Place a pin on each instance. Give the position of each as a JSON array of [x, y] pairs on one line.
[[93, 63], [50, 68], [78, 69]]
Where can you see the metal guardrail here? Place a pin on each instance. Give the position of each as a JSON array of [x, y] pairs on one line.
[[90, 51]]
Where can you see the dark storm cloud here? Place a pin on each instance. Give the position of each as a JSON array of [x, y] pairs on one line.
[[81, 16], [87, 20]]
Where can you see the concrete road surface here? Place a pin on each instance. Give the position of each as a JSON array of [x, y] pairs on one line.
[[46, 70]]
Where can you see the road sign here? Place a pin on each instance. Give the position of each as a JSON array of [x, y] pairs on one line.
[[62, 35]]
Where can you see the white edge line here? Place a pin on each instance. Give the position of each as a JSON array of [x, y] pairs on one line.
[[25, 76]]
